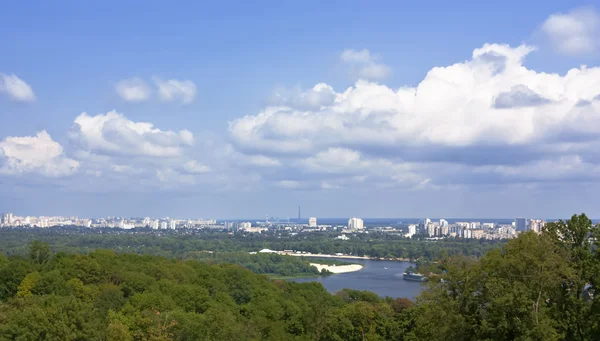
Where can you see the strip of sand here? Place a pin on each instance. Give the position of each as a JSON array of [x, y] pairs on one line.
[[338, 269]]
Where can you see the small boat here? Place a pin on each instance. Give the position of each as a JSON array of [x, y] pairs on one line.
[[412, 276]]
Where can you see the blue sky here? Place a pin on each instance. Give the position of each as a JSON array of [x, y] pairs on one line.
[[232, 109]]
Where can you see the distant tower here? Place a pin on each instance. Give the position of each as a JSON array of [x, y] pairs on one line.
[[299, 216]]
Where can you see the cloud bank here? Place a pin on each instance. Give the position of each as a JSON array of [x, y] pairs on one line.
[[489, 110]]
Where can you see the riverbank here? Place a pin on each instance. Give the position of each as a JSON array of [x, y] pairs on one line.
[[338, 269], [341, 256]]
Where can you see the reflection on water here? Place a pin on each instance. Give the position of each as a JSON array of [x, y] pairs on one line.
[[381, 277]]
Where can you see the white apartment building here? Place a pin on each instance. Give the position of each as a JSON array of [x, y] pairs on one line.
[[355, 224], [412, 230], [312, 222]]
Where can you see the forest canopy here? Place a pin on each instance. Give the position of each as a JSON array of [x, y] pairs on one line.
[[535, 287]]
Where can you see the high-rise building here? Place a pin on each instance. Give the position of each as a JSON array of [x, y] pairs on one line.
[[443, 222], [412, 230], [172, 224], [155, 224], [431, 229], [355, 224], [312, 222], [536, 225], [444, 230], [7, 219], [163, 225], [521, 224]]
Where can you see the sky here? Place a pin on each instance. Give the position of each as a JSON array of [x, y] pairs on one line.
[[234, 109]]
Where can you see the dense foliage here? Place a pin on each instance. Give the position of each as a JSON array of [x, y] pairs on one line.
[[180, 243], [535, 287], [263, 263], [105, 296]]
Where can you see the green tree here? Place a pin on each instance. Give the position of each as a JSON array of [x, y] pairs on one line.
[[39, 252]]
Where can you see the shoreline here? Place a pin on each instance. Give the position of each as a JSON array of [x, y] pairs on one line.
[[339, 269], [343, 256]]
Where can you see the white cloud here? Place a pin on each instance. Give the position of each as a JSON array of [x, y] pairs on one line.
[[16, 88], [176, 90], [333, 160], [35, 154], [364, 65], [574, 33], [133, 90], [320, 95], [195, 167], [238, 158], [489, 110], [114, 134], [453, 106]]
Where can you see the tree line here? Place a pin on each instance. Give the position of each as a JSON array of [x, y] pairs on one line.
[[535, 287]]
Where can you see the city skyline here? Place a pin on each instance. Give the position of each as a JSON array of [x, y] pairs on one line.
[[238, 111]]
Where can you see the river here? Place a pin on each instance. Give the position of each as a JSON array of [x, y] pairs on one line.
[[381, 277]]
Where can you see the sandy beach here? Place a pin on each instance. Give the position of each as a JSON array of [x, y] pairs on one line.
[[319, 255], [338, 269]]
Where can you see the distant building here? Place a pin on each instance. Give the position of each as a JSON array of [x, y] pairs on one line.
[[412, 230], [312, 222], [477, 234], [444, 230], [467, 234], [521, 224], [355, 224], [431, 229], [155, 224], [163, 225], [536, 225], [245, 225], [342, 237], [172, 224], [443, 222], [7, 219], [488, 226]]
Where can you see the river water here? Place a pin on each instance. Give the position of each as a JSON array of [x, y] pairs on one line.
[[381, 277]]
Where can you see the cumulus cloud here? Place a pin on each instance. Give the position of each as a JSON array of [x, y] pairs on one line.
[[362, 64], [519, 96], [35, 154], [332, 160], [488, 110], [176, 90], [195, 167], [16, 88], [133, 90], [114, 134], [453, 106], [320, 95], [574, 33]]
